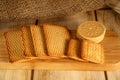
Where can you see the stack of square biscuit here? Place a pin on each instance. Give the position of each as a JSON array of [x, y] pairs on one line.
[[50, 42], [37, 42], [92, 33]]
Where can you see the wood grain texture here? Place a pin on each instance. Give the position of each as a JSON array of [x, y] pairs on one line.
[[113, 75], [68, 75], [15, 74]]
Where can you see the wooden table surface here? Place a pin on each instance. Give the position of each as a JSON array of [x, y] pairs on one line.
[[107, 17]]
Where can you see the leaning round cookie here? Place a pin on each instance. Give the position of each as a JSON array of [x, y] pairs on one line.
[[91, 30]]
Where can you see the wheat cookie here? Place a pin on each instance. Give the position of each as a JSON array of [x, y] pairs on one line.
[[91, 30], [92, 51], [27, 41], [15, 46], [74, 50], [38, 41], [56, 39]]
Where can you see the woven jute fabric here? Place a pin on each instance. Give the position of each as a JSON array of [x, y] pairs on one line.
[[17, 10]]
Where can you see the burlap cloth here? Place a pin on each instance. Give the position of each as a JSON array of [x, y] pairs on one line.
[[16, 10]]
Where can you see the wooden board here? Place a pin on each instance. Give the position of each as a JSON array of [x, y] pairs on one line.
[[111, 45], [68, 75]]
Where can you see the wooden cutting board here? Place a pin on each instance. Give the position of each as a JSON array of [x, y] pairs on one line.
[[111, 44]]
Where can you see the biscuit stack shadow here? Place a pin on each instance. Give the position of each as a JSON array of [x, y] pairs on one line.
[[49, 42]]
